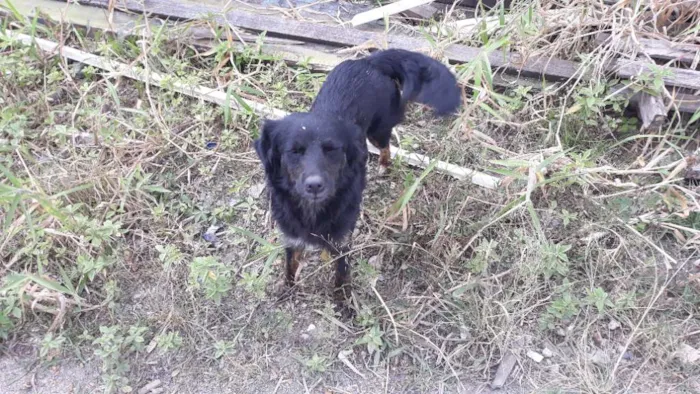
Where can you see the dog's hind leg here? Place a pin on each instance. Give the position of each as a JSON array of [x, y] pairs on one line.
[[293, 258], [380, 137]]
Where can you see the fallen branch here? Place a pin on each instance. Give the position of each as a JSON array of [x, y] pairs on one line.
[[220, 98]]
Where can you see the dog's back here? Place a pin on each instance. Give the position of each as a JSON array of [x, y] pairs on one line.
[[357, 91], [382, 84]]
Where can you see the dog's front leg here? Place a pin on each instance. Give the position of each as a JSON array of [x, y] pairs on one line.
[[343, 280], [293, 258]]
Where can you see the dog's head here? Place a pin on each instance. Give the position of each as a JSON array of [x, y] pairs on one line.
[[309, 155]]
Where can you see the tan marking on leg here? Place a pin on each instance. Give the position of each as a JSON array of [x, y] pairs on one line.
[[293, 263], [384, 159]]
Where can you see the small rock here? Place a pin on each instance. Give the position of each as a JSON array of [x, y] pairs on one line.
[[311, 327], [505, 367], [374, 262], [613, 325], [536, 357], [600, 358], [305, 336], [547, 352], [256, 190], [561, 332], [687, 354], [464, 333], [149, 388], [210, 234]]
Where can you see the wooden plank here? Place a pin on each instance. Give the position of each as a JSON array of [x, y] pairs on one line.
[[553, 69], [425, 11], [318, 56], [550, 68], [681, 78], [655, 48], [219, 97], [387, 10], [651, 111]]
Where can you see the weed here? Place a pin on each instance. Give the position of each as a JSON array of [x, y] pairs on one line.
[[561, 310], [554, 259], [114, 346], [169, 255], [223, 348], [51, 346], [167, 341], [600, 299], [316, 363], [484, 254], [211, 276], [373, 339]]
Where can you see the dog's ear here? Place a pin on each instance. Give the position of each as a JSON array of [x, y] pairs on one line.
[[356, 152], [265, 146]]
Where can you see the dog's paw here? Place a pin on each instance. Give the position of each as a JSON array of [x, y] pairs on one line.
[[383, 171], [342, 298], [284, 290]]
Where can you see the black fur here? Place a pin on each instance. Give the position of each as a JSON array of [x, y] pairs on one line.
[[315, 162]]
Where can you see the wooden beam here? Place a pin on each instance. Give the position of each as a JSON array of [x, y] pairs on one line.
[[550, 68], [655, 48], [651, 111], [219, 97], [425, 12], [553, 69], [387, 10], [318, 56]]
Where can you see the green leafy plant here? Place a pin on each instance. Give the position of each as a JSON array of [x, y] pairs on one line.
[[316, 363], [223, 348], [89, 267], [114, 346], [170, 340], [600, 299], [169, 255], [561, 309], [484, 254], [213, 277], [373, 339], [554, 259], [51, 346]]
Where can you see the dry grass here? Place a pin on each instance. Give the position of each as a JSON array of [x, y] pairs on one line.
[[136, 231]]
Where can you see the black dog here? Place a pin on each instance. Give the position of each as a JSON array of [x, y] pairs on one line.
[[315, 162]]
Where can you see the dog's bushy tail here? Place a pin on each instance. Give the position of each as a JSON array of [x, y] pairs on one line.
[[423, 79]]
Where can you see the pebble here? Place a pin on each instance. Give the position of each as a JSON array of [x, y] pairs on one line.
[[535, 356], [613, 325], [600, 358], [547, 352], [256, 190]]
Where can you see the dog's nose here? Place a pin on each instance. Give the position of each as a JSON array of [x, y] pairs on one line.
[[314, 184]]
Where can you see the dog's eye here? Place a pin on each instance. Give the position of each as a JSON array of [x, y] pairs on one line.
[[298, 150], [330, 148]]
